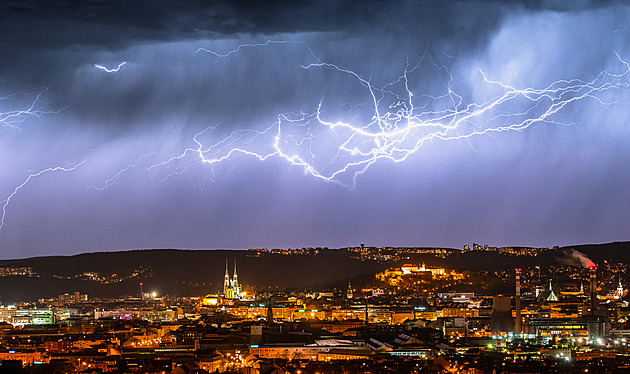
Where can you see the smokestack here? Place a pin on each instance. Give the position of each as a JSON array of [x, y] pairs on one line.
[[517, 325], [593, 280]]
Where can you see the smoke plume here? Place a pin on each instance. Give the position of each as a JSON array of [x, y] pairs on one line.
[[574, 257]]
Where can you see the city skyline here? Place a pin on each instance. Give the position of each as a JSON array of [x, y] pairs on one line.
[[249, 125]]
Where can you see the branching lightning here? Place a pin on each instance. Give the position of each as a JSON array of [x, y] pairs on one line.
[[337, 145], [240, 47], [5, 203], [12, 118], [113, 70]]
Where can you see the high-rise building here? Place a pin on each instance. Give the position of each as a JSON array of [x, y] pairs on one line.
[[231, 288], [501, 319], [539, 286], [518, 321]]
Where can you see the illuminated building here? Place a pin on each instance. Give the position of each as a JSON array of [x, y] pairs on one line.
[[26, 356], [74, 298], [620, 292], [231, 288], [211, 300], [564, 327], [592, 355], [338, 326], [411, 274], [410, 269], [322, 350], [33, 317], [460, 312], [552, 296]]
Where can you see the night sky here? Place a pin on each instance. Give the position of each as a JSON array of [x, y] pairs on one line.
[[284, 124]]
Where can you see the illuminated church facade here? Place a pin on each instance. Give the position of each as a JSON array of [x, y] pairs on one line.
[[231, 288]]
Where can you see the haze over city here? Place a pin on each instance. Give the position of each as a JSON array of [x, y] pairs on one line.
[[289, 124]]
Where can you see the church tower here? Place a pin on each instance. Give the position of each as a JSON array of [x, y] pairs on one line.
[[552, 296], [619, 292], [227, 283], [231, 288], [237, 293]]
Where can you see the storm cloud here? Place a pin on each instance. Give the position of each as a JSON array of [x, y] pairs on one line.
[[560, 181]]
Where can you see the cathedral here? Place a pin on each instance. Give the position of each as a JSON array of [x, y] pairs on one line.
[[231, 288]]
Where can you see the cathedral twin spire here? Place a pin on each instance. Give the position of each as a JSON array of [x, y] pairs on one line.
[[231, 288]]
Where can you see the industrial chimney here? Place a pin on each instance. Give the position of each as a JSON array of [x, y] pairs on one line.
[[517, 325], [593, 281]]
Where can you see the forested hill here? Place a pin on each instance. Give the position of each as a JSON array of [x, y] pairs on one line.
[[175, 272], [198, 272]]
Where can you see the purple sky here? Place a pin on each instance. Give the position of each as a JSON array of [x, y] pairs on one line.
[[322, 123]]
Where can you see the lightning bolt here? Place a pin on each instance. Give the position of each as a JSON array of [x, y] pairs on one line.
[[240, 47], [113, 70], [12, 118], [339, 144], [7, 201], [118, 177]]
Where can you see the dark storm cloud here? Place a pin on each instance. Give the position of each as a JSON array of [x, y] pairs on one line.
[[545, 185], [118, 24], [41, 40]]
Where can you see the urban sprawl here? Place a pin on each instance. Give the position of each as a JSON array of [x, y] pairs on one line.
[[412, 318]]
